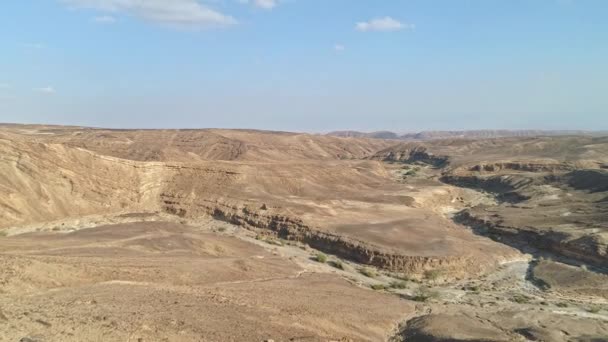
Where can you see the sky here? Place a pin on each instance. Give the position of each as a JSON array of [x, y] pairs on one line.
[[306, 65]]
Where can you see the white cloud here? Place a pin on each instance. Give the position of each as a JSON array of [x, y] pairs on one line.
[[385, 24], [46, 90], [176, 13], [265, 4], [104, 19], [339, 47], [35, 46]]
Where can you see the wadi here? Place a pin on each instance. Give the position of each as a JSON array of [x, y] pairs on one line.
[[246, 235]]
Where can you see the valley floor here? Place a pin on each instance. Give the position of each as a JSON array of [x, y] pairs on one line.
[[160, 279]]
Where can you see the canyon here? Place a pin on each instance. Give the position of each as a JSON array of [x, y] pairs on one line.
[[251, 235]]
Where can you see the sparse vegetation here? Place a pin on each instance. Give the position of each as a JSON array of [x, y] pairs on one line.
[[398, 285], [3, 233], [520, 298], [562, 305], [368, 272], [337, 264], [433, 274], [593, 309], [320, 257], [474, 289], [378, 287], [424, 294], [274, 242], [401, 276], [221, 229]]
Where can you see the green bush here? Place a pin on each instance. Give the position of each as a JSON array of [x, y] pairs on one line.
[[594, 309], [337, 264], [398, 285], [432, 274], [472, 288], [320, 257], [423, 295], [272, 241], [520, 299], [367, 272], [378, 287]]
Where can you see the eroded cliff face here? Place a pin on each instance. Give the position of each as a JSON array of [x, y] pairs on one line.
[[551, 207], [333, 194], [549, 193], [411, 153], [592, 249], [296, 200], [43, 182], [259, 216]]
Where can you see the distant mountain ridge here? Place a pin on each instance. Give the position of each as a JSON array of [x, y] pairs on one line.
[[468, 134], [374, 135]]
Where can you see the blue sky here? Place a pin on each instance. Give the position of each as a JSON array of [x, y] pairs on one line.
[[306, 65]]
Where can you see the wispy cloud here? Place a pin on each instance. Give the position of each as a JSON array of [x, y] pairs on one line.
[[265, 4], [386, 24], [45, 90], [175, 13], [104, 19], [33, 46], [339, 47]]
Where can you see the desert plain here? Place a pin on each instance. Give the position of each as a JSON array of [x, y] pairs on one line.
[[243, 235]]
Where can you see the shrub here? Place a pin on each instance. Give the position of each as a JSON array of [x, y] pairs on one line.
[[562, 305], [274, 242], [594, 309], [423, 294], [367, 272], [432, 274], [338, 264], [398, 285], [320, 257], [474, 289], [402, 276], [221, 229], [3, 233], [520, 299], [378, 287]]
